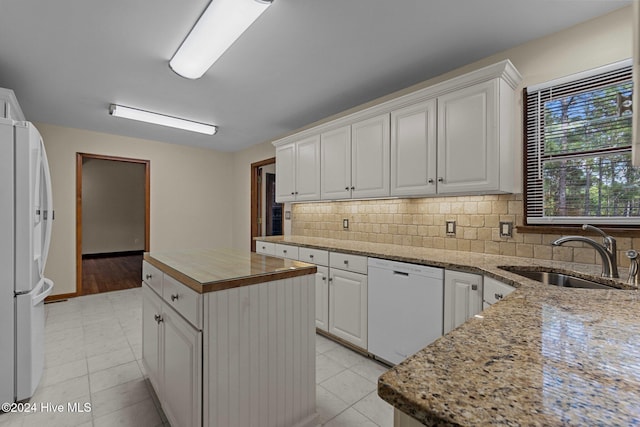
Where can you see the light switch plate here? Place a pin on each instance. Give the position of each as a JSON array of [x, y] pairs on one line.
[[451, 228], [345, 224], [287, 214], [506, 229]]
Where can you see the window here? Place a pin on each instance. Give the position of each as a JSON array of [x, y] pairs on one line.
[[578, 150]]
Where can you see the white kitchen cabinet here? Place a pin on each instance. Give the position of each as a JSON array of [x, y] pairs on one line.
[[462, 298], [286, 173], [413, 150], [182, 370], [355, 160], [335, 155], [348, 306], [265, 248], [370, 151], [298, 171], [286, 251], [475, 140], [151, 307], [322, 298], [172, 357], [493, 291]]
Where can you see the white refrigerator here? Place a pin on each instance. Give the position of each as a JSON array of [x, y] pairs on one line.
[[25, 232]]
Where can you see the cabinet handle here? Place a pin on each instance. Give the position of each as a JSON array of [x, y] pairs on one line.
[[330, 279], [158, 318], [353, 188], [430, 181], [148, 276], [296, 192], [324, 278], [474, 287], [498, 296], [174, 297], [264, 247], [346, 188], [284, 251], [346, 262], [440, 179], [311, 256]]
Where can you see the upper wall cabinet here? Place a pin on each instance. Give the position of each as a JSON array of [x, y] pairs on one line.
[[453, 138], [355, 160], [335, 161], [413, 150], [475, 153], [298, 170]]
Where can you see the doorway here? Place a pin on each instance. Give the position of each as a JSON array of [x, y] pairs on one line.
[[266, 213], [112, 222]]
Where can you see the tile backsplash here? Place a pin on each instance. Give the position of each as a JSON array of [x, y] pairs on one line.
[[422, 222]]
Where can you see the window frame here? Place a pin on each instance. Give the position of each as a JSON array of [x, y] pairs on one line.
[[563, 224]]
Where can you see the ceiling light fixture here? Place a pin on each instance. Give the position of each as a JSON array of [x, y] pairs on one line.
[[161, 119], [221, 24]]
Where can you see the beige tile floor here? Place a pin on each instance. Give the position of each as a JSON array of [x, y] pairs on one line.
[[93, 352]]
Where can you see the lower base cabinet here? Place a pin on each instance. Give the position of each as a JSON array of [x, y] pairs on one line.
[[172, 355], [462, 298], [348, 306], [322, 298]]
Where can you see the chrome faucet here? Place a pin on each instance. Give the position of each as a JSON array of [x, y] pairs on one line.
[[607, 250]]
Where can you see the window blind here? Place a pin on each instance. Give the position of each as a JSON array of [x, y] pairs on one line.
[[578, 149]]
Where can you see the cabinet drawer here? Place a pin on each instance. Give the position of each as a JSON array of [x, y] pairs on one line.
[[286, 251], [265, 248], [152, 277], [184, 300], [313, 256], [355, 263], [495, 290]]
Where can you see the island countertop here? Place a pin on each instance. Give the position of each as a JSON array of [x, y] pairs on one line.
[[543, 355], [210, 270]]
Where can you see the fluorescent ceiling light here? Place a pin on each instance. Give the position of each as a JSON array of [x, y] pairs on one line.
[[221, 24], [161, 119]]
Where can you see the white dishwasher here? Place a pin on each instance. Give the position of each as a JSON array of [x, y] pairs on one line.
[[406, 303]]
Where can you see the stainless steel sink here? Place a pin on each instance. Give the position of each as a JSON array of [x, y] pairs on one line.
[[558, 279]]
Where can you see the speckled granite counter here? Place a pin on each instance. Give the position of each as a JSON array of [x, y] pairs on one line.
[[544, 355], [209, 270]]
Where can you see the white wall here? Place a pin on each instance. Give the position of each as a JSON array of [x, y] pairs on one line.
[[113, 208], [190, 194]]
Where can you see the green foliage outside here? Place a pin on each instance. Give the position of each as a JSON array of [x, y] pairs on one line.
[[587, 156]]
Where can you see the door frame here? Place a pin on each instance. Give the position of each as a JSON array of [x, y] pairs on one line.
[[256, 198], [147, 203]]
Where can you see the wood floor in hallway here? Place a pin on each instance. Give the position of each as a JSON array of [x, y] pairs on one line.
[[106, 273]]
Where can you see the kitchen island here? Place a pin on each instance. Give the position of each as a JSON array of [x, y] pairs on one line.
[[229, 338], [543, 355]]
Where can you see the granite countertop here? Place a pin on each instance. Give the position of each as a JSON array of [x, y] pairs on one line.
[[543, 355], [210, 270]]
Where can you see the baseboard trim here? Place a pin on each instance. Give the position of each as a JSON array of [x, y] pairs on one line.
[[112, 254]]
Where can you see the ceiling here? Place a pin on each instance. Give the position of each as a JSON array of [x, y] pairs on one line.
[[303, 60]]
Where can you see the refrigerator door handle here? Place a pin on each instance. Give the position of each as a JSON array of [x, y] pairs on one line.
[[39, 293], [49, 202]]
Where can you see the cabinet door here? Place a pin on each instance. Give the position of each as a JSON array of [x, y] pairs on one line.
[[413, 150], [322, 298], [307, 169], [151, 307], [370, 151], [335, 149], [285, 173], [468, 146], [348, 306], [182, 371], [462, 298]]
